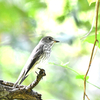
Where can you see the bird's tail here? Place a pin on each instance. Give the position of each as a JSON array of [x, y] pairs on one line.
[[23, 79], [22, 74]]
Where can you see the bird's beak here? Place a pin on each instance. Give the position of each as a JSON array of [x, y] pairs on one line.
[[55, 41]]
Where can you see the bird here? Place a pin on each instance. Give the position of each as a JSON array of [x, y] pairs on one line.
[[39, 55]]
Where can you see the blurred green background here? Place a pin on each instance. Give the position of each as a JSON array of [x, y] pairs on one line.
[[24, 22]]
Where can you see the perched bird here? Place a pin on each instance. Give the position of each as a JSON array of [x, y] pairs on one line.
[[40, 53]]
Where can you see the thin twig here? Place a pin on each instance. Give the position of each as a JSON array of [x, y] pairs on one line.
[[39, 77], [96, 49], [97, 7], [88, 71]]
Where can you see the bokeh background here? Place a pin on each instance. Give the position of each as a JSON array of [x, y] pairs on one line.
[[24, 22]]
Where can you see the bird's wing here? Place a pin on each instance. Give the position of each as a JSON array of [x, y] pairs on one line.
[[35, 55]]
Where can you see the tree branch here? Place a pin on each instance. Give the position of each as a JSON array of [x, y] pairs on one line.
[[97, 7], [8, 92]]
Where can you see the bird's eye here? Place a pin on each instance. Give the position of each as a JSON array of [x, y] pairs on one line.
[[49, 38]]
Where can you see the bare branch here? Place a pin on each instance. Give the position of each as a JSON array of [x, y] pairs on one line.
[[8, 92], [39, 77], [97, 7]]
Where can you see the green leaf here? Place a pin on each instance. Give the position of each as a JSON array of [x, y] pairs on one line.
[[91, 1], [91, 39], [81, 77]]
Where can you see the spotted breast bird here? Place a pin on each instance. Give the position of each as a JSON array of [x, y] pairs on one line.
[[39, 54]]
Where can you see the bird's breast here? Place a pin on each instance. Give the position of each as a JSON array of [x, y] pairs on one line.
[[46, 51], [47, 48]]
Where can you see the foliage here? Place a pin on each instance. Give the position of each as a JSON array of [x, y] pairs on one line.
[[91, 39], [91, 1], [24, 22]]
